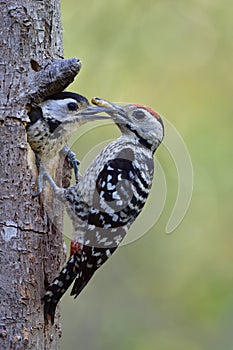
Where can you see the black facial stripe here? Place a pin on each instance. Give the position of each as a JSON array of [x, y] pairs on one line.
[[34, 115], [53, 125], [142, 141]]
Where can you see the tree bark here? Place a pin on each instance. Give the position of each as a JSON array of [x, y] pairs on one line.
[[31, 243]]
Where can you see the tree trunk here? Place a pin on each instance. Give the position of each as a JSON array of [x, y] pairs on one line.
[[31, 243]]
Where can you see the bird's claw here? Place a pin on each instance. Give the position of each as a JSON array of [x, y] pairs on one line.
[[40, 178], [40, 186], [71, 156]]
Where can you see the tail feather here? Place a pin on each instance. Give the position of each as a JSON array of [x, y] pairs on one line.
[[59, 286], [81, 282], [49, 311]]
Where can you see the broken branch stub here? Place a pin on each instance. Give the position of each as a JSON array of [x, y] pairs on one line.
[[53, 79]]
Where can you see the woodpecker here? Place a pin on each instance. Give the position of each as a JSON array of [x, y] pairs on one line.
[[52, 123], [108, 198]]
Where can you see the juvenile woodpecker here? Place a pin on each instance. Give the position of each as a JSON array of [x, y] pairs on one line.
[[52, 123], [108, 198]]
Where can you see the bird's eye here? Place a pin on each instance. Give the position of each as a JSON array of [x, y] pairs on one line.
[[139, 114], [72, 106]]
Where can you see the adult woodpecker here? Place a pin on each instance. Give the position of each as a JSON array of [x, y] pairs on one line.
[[108, 198], [52, 123]]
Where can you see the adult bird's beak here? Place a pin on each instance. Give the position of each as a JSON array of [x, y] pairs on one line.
[[107, 106], [117, 113]]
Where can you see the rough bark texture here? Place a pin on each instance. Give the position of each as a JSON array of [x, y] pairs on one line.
[[31, 244]]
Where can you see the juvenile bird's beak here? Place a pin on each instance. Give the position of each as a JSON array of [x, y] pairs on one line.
[[91, 112]]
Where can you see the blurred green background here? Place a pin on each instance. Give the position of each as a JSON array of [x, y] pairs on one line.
[[165, 292]]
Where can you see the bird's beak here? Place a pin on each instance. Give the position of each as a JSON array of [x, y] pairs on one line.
[[116, 113], [108, 107], [91, 112]]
